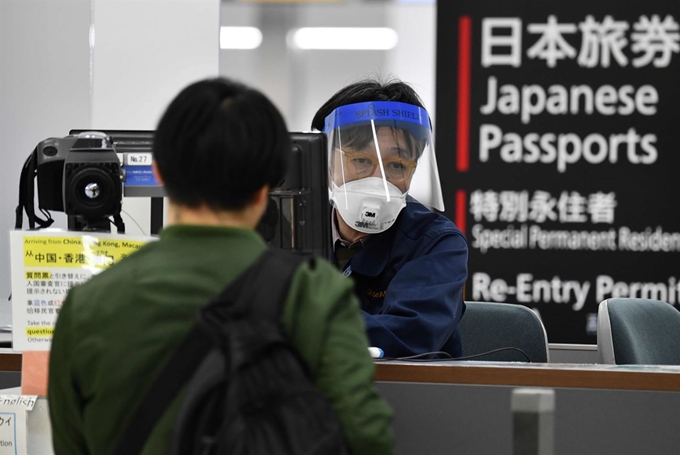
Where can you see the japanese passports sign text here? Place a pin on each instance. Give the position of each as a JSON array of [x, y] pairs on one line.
[[558, 129]]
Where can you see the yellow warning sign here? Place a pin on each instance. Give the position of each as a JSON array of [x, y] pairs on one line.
[[86, 251]]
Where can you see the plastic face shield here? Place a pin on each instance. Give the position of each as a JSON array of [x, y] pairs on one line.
[[388, 140]]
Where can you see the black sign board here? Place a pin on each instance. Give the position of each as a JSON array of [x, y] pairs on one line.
[[558, 139]]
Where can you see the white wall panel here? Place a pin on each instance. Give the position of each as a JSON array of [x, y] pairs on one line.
[[44, 92]]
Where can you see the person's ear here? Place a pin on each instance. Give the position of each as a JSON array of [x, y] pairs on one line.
[[156, 173], [261, 196]]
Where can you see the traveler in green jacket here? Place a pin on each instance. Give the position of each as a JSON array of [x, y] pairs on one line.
[[218, 150]]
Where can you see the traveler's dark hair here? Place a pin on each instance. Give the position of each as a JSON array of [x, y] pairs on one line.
[[219, 142], [362, 92]]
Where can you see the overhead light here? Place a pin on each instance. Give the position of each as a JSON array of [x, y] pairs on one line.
[[240, 37], [350, 38]]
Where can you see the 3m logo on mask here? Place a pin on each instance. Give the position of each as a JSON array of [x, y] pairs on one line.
[[368, 219]]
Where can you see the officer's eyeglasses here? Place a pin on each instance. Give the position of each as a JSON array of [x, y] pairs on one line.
[[361, 165]]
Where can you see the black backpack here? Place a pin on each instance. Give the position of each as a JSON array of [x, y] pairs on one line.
[[248, 391]]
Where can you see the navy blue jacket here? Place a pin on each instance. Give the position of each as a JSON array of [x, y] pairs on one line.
[[410, 282]]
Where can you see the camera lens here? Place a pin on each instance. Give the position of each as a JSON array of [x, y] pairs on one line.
[[92, 191]]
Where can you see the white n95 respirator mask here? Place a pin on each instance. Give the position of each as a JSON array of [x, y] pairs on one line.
[[370, 205]]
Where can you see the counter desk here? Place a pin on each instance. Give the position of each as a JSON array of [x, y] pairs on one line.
[[463, 407]]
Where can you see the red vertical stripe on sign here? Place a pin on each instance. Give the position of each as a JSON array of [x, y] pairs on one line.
[[464, 49], [461, 210]]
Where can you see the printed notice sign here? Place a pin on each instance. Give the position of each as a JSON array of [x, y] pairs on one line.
[[556, 129], [12, 430], [45, 265]]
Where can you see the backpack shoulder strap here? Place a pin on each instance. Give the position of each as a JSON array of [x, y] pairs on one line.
[[287, 263], [263, 281], [268, 296]]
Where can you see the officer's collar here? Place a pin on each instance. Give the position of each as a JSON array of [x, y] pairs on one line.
[[372, 259], [335, 232]]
